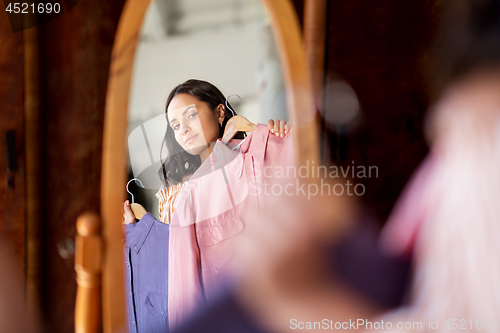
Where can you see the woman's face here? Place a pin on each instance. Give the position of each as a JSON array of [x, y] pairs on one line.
[[194, 124]]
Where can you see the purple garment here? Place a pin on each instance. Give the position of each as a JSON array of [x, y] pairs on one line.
[[146, 266]]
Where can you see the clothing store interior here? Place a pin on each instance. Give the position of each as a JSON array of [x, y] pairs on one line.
[[251, 166]]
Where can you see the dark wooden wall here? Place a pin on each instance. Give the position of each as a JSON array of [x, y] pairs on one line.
[[75, 57], [378, 48], [12, 206]]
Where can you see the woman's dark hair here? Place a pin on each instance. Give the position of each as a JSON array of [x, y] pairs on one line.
[[469, 39], [179, 162]]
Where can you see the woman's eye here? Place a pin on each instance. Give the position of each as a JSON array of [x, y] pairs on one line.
[[192, 115], [175, 127]]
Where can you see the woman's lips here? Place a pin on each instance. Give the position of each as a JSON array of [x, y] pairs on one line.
[[190, 139]]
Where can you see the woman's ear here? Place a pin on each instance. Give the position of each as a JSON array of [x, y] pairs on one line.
[[220, 113]]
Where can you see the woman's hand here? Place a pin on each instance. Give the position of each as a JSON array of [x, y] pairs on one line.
[[128, 215], [279, 127]]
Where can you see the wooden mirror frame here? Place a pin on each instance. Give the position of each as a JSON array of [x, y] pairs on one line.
[[301, 111]]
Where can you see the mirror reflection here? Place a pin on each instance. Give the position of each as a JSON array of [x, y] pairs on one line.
[[203, 72], [228, 43]]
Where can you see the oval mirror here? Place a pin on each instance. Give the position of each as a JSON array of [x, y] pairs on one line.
[[246, 47]]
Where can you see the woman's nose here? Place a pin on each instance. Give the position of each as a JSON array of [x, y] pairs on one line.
[[185, 129]]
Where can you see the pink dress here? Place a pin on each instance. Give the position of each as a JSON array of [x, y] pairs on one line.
[[219, 200]]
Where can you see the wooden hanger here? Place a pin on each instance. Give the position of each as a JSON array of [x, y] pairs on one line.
[[235, 124], [137, 209]]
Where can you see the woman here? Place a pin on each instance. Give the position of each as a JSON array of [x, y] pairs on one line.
[[189, 134], [197, 113]]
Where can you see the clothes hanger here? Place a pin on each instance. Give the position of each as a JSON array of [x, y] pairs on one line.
[[137, 209], [235, 124]]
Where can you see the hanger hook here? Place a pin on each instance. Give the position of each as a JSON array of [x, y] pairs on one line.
[[131, 192], [227, 106]]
